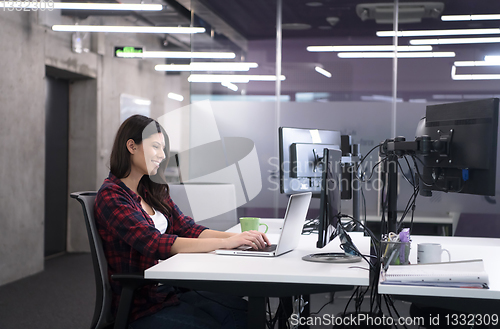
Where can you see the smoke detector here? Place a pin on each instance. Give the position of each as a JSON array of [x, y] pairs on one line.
[[409, 12]]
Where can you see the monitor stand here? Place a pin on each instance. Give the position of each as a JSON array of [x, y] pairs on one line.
[[332, 257]]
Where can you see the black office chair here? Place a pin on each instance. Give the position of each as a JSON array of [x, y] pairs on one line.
[[103, 318]]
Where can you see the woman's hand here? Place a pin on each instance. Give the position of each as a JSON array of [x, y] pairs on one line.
[[255, 239]]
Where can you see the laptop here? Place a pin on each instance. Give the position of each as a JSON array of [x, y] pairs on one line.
[[295, 216]]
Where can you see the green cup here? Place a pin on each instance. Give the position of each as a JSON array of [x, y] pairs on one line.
[[251, 224]]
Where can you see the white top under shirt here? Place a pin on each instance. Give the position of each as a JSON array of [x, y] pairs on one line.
[[160, 221]]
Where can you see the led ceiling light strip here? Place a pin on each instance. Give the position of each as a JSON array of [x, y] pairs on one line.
[[238, 66], [476, 63], [231, 78], [453, 41], [480, 17], [175, 97], [492, 58], [107, 6], [128, 29], [423, 33], [323, 71], [230, 85], [79, 6], [400, 55], [179, 54], [367, 48], [456, 76]]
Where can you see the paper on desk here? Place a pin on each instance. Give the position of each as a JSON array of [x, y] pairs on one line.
[[465, 274]]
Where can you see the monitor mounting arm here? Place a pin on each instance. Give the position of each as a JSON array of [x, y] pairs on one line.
[[395, 148], [399, 146]]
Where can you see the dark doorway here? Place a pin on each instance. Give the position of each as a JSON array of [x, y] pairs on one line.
[[56, 165]]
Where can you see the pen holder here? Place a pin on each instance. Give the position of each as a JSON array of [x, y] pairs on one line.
[[395, 253]]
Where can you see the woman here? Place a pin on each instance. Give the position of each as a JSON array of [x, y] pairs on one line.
[[140, 224]]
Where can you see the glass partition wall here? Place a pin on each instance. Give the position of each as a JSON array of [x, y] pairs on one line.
[[341, 66]]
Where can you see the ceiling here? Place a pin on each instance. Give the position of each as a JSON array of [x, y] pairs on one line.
[[248, 27], [256, 19], [241, 21]]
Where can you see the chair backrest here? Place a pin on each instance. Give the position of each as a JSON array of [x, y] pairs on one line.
[[103, 317]]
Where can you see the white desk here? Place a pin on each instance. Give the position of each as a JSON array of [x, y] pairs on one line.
[[260, 277], [465, 300]]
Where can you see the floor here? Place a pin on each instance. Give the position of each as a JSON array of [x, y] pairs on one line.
[[62, 297]]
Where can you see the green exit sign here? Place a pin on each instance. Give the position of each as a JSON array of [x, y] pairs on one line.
[[130, 52]]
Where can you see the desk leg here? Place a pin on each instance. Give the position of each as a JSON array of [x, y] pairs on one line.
[[287, 304], [286, 309], [256, 312]]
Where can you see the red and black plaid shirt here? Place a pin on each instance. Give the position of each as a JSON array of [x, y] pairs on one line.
[[132, 243]]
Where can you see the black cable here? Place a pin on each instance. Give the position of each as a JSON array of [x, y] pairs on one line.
[[411, 202], [385, 202], [423, 164], [358, 253], [310, 226], [268, 323], [359, 300], [367, 154], [418, 172], [376, 271], [363, 225], [364, 202], [321, 308], [373, 292], [371, 174], [410, 205], [275, 319], [403, 174], [411, 171], [349, 301], [436, 186], [411, 222], [215, 301], [362, 297], [391, 302], [352, 245], [374, 301], [389, 309], [361, 161], [394, 308]]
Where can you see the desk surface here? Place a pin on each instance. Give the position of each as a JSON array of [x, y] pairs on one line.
[[461, 248], [287, 268]]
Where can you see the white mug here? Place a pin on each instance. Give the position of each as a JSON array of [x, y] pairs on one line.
[[430, 253]]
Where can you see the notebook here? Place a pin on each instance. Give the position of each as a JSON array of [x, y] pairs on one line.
[[463, 274], [295, 215]]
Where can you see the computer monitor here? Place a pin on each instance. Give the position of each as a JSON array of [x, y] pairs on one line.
[[462, 153], [330, 224], [301, 154], [456, 149], [329, 207]]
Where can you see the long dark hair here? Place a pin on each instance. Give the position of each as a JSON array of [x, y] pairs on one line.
[[137, 128]]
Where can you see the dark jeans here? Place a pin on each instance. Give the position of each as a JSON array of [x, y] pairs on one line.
[[200, 310]]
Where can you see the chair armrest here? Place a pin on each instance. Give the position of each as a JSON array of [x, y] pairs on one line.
[[129, 282], [132, 280]]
